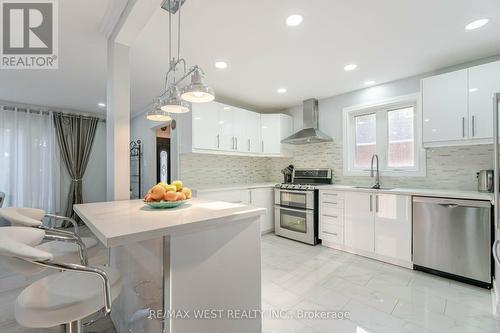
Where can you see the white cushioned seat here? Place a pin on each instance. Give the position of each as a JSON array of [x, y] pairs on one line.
[[68, 251], [26, 217], [64, 297]]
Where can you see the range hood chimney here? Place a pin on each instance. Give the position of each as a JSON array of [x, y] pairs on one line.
[[310, 133]]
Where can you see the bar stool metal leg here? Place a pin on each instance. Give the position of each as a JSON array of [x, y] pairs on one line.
[[74, 327]]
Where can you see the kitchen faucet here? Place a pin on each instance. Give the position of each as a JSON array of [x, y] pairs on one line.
[[377, 176]]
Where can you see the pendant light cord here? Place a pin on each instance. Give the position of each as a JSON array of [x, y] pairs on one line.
[[179, 32]]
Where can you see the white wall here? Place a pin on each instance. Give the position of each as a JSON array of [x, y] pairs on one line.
[[94, 180], [145, 130]]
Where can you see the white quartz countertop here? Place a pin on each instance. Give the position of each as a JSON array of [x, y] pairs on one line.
[[121, 222], [214, 188], [473, 195]]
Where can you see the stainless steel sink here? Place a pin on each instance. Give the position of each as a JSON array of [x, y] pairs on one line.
[[372, 188]]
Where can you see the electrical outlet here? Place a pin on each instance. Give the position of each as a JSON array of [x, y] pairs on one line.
[[474, 176]]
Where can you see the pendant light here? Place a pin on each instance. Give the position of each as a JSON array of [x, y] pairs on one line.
[[172, 100], [157, 114], [198, 91]]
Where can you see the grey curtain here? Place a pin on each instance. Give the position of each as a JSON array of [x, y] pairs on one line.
[[75, 135]]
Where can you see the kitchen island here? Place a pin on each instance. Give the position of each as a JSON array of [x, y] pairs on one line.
[[176, 263]]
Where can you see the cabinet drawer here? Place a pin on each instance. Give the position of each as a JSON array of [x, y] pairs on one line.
[[331, 196], [332, 219], [332, 233], [330, 211]]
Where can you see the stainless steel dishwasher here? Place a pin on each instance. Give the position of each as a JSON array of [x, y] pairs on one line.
[[452, 238]]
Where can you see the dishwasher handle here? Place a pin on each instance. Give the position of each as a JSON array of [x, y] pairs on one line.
[[448, 205], [451, 201]]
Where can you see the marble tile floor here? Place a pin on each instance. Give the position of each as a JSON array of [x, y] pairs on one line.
[[378, 297]]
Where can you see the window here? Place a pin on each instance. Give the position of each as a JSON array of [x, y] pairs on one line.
[[389, 129]]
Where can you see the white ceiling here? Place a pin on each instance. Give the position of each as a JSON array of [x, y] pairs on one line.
[[387, 39], [80, 81]]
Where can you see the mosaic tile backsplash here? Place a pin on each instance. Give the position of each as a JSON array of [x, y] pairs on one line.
[[447, 167]]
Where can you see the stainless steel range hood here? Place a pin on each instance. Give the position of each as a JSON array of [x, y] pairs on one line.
[[310, 133]]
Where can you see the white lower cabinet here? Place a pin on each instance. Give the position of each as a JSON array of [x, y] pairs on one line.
[[367, 223], [359, 223], [262, 197], [393, 226]]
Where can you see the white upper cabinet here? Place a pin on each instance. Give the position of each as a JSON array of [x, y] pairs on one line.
[[274, 128], [444, 106], [484, 81], [227, 119], [457, 107], [393, 226], [247, 131], [205, 126], [359, 221], [223, 129]]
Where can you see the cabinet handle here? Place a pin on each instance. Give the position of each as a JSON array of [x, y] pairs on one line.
[[249, 145], [330, 202], [218, 140], [330, 233], [232, 139], [376, 204], [473, 125], [332, 216], [463, 127], [236, 143], [262, 146], [332, 194], [371, 204]]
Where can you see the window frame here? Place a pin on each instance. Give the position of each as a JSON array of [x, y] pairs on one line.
[[381, 109]]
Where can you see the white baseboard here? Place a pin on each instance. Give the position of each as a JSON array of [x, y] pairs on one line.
[[370, 255]]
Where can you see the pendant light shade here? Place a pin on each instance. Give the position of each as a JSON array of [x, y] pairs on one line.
[[174, 102], [198, 91], [157, 114]]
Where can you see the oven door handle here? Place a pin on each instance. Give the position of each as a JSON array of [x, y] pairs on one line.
[[307, 211]]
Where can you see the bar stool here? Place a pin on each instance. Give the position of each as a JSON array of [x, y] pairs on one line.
[[64, 298], [66, 251]]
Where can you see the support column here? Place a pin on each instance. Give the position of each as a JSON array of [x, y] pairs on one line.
[[118, 122]]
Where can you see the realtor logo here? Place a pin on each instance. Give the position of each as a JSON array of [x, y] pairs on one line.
[[29, 36]]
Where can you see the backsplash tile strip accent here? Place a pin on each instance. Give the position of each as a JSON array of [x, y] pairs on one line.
[[447, 167]]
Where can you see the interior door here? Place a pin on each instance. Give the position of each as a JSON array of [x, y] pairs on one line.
[[484, 81], [163, 162], [393, 226], [444, 107], [359, 221]]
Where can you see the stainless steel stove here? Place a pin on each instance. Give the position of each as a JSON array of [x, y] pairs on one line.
[[296, 205]]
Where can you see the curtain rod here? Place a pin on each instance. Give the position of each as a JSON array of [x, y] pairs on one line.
[[45, 112]]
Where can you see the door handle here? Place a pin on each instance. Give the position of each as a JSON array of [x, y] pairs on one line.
[[236, 143], [449, 205], [218, 140], [249, 145], [494, 250], [463, 127], [376, 204], [262, 146], [371, 204], [473, 125], [232, 139]]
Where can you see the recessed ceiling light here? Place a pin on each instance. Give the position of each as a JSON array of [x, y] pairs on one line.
[[102, 105], [350, 67], [294, 20], [281, 90], [369, 83], [221, 64], [476, 24]]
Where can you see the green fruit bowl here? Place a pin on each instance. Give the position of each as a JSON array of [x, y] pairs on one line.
[[166, 204]]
